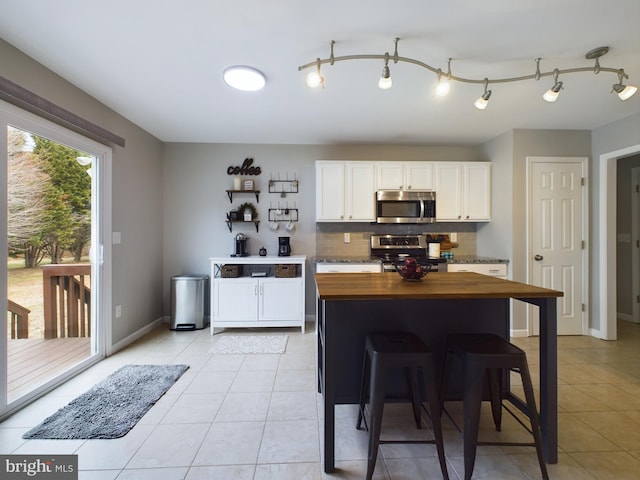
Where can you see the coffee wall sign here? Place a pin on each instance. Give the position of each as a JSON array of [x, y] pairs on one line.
[[246, 168]]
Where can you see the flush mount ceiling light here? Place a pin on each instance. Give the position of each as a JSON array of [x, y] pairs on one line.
[[623, 91], [247, 79]]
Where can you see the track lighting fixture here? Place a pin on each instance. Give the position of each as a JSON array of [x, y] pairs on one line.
[[623, 91], [315, 79], [385, 82], [551, 95], [483, 100], [442, 88]]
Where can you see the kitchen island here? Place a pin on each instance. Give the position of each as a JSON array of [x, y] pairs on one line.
[[350, 306]]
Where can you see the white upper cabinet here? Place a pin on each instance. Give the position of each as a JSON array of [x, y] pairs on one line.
[[463, 191], [404, 175], [345, 191]]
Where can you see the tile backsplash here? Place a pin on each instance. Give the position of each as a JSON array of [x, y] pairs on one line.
[[331, 244]]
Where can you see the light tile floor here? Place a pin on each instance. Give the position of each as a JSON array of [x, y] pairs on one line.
[[257, 417]]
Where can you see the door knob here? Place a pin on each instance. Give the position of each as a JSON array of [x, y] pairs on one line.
[[538, 258]]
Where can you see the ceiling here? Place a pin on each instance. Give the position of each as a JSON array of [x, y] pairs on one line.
[[159, 63]]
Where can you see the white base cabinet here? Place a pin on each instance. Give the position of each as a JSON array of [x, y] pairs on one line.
[[492, 269], [249, 301]]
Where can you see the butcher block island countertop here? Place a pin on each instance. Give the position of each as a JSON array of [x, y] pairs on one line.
[[436, 285]]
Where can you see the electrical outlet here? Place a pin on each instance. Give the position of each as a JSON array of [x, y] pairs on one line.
[[347, 238], [453, 236], [118, 311]]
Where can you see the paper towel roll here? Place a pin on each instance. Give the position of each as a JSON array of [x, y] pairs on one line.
[[434, 250]]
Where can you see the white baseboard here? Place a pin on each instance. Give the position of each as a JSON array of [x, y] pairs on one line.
[[136, 335], [624, 316], [519, 333]]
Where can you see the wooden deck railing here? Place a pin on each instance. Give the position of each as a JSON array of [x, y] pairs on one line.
[[19, 319], [67, 300]]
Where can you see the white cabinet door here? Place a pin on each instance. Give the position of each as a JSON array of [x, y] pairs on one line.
[[449, 191], [405, 175], [463, 191], [389, 176], [280, 299], [330, 191], [345, 191], [235, 299], [477, 191], [419, 176], [360, 192]]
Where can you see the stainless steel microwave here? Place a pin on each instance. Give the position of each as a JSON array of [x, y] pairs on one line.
[[405, 206]]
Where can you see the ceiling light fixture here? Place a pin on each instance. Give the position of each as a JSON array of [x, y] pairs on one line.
[[483, 100], [443, 87], [385, 82], [315, 79], [623, 91], [552, 94], [247, 79]]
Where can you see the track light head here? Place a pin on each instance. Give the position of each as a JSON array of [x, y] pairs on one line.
[[624, 91], [314, 78], [552, 94], [385, 81], [443, 87], [483, 100]]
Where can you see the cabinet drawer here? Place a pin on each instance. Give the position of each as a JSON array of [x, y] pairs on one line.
[[493, 269]]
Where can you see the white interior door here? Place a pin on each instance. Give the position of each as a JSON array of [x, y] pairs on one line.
[[557, 255]]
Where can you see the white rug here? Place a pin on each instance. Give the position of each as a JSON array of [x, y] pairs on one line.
[[250, 344]]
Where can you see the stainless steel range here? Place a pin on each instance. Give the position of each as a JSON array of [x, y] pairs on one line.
[[393, 249]]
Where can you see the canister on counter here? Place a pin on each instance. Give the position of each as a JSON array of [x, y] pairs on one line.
[[434, 249]]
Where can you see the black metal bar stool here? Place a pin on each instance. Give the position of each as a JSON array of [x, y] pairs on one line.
[[384, 352], [488, 356]]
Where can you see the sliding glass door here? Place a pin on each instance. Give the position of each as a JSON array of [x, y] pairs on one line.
[[53, 214]]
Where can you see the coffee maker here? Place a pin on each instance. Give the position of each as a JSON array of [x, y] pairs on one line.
[[284, 248], [241, 246]]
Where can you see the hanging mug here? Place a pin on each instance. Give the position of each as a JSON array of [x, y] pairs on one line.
[[273, 226], [290, 227]]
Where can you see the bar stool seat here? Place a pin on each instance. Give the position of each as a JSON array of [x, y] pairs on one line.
[[384, 352], [490, 356]]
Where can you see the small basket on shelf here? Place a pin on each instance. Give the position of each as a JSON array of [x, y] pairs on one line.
[[230, 271], [286, 270]]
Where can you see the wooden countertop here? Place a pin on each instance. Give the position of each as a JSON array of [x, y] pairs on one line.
[[436, 285]]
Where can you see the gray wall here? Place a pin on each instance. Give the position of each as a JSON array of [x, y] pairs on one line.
[[507, 229], [625, 197], [195, 201], [609, 138], [137, 192]]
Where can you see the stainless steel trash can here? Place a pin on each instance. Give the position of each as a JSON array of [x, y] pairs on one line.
[[189, 302]]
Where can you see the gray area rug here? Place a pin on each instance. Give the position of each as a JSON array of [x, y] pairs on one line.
[[112, 407], [250, 344]]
